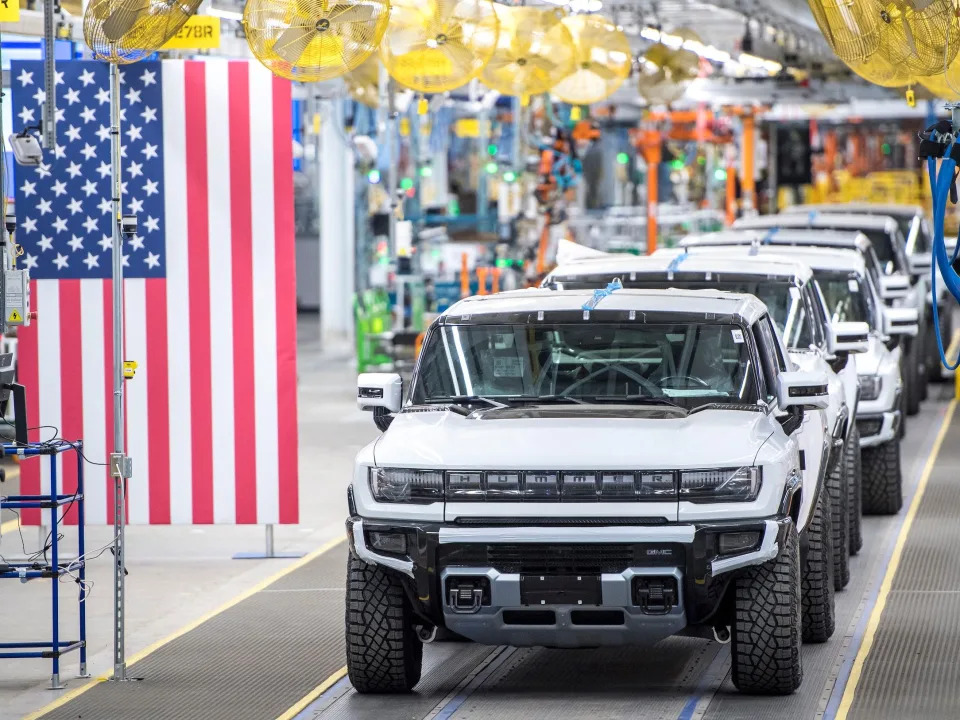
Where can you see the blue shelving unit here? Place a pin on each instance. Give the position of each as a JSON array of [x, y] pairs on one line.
[[53, 569]]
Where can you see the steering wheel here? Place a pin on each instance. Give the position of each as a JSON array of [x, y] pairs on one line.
[[666, 381], [639, 379]]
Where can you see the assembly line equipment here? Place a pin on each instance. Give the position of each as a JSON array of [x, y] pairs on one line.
[[40, 567]]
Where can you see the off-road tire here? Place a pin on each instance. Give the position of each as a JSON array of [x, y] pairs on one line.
[[767, 626], [816, 588], [882, 480], [384, 654], [836, 490], [851, 459]]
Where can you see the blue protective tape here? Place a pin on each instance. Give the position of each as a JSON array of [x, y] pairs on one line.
[[600, 294], [675, 263]]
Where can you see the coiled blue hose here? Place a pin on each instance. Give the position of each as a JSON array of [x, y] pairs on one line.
[[940, 183]]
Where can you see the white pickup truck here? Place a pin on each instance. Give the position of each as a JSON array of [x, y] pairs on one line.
[[585, 468]]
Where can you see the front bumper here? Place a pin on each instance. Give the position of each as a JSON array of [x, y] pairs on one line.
[[879, 428], [618, 558]]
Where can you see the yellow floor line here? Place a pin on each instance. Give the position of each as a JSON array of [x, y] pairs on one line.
[[137, 657], [319, 690], [849, 692]]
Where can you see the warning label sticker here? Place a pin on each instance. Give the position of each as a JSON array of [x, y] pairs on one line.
[[15, 316]]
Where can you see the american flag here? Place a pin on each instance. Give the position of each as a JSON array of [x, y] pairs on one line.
[[210, 305]]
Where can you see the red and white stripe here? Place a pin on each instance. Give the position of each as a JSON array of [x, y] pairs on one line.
[[212, 412]]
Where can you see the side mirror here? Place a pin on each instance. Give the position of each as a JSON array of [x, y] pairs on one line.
[[900, 321], [894, 287], [920, 263], [806, 390], [379, 390], [849, 337]]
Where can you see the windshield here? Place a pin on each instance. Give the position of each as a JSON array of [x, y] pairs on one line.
[[883, 246], [688, 364], [848, 299], [782, 298]]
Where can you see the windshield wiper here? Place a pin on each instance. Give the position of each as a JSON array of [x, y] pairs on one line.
[[468, 399], [547, 399], [723, 406], [634, 400]]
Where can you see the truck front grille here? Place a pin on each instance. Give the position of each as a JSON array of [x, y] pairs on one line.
[[562, 559]]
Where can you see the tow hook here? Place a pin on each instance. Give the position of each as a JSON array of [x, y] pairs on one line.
[[427, 633], [655, 595], [466, 595], [721, 633]]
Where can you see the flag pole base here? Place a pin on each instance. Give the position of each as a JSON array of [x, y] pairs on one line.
[[269, 551]]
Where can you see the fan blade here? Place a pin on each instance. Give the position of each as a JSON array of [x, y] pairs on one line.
[[542, 63], [122, 19], [459, 55], [602, 71], [403, 39], [498, 62], [293, 42], [353, 13]]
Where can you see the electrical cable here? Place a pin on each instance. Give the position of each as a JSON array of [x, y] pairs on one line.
[[941, 182]]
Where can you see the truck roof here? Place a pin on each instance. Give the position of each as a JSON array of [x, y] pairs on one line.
[[859, 208], [817, 258], [814, 220], [660, 263], [774, 235], [674, 301]]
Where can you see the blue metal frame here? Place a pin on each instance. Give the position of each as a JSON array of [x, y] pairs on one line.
[[52, 501]]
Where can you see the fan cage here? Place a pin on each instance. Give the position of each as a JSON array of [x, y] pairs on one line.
[[433, 46], [923, 42], [125, 31], [535, 51], [850, 27], [314, 40]]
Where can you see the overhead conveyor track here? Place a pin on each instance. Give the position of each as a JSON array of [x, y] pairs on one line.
[[279, 652]]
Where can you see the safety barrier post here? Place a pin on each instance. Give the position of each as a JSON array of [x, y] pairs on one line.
[[464, 277], [495, 282]]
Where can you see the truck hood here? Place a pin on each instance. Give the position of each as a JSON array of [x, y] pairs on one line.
[[576, 437]]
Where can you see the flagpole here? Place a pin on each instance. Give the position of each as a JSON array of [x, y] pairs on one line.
[[118, 468]]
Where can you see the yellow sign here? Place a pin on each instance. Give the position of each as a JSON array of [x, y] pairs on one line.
[[129, 368], [9, 10], [15, 317], [467, 127], [200, 32]]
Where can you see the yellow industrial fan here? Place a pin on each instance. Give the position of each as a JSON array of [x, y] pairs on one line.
[[878, 70], [310, 40], [438, 45], [602, 59], [363, 82], [534, 52], [124, 31], [920, 36], [666, 73], [850, 27]]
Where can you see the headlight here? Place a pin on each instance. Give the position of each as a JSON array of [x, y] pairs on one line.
[[395, 485], [720, 485], [870, 386]]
